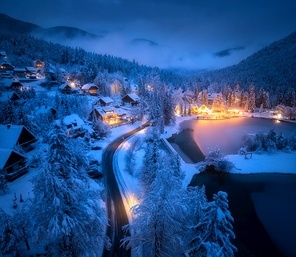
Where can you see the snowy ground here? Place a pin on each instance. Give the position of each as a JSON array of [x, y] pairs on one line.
[[259, 163]]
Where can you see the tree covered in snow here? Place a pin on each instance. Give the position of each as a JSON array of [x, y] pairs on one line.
[[214, 230], [216, 160], [159, 225], [151, 160], [67, 216], [252, 98]]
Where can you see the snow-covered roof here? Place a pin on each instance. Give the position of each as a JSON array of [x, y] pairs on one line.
[[31, 69], [63, 86], [134, 97], [88, 86], [19, 69], [106, 99], [4, 156], [73, 120], [106, 111], [6, 96], [9, 135]]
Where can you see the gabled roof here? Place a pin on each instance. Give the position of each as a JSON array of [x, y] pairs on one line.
[[64, 86], [88, 86], [8, 95], [106, 100], [11, 135], [5, 155], [73, 120], [32, 69], [105, 111], [133, 97]]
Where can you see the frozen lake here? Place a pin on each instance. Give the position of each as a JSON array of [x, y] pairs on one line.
[[227, 134]]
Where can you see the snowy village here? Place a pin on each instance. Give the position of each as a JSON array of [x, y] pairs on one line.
[[102, 156]]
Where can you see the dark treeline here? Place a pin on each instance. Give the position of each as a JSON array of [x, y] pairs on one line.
[[22, 49]]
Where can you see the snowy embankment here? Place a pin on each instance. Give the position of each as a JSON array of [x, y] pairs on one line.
[[276, 162]]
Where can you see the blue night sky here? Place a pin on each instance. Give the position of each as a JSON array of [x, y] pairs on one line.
[[195, 34]]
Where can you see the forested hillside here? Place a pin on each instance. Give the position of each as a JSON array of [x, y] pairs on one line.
[[21, 49], [272, 68]]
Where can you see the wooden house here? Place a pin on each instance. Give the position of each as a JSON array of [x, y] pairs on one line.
[[16, 135], [12, 164], [132, 99], [90, 88], [38, 64], [14, 85], [65, 88], [105, 101], [6, 67], [74, 125], [32, 72], [105, 114]]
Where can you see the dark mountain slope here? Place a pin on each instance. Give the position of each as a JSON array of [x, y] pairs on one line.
[[273, 67], [8, 24], [12, 25]]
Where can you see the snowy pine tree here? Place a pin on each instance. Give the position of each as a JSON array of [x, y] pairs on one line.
[[159, 226], [66, 213], [214, 231]]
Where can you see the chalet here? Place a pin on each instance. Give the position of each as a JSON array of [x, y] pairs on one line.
[[32, 72], [132, 99], [65, 88], [90, 88], [12, 164], [16, 135], [105, 101], [14, 85], [38, 64], [19, 73], [6, 67], [105, 114], [75, 126]]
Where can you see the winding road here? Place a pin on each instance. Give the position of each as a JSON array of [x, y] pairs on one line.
[[115, 207]]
